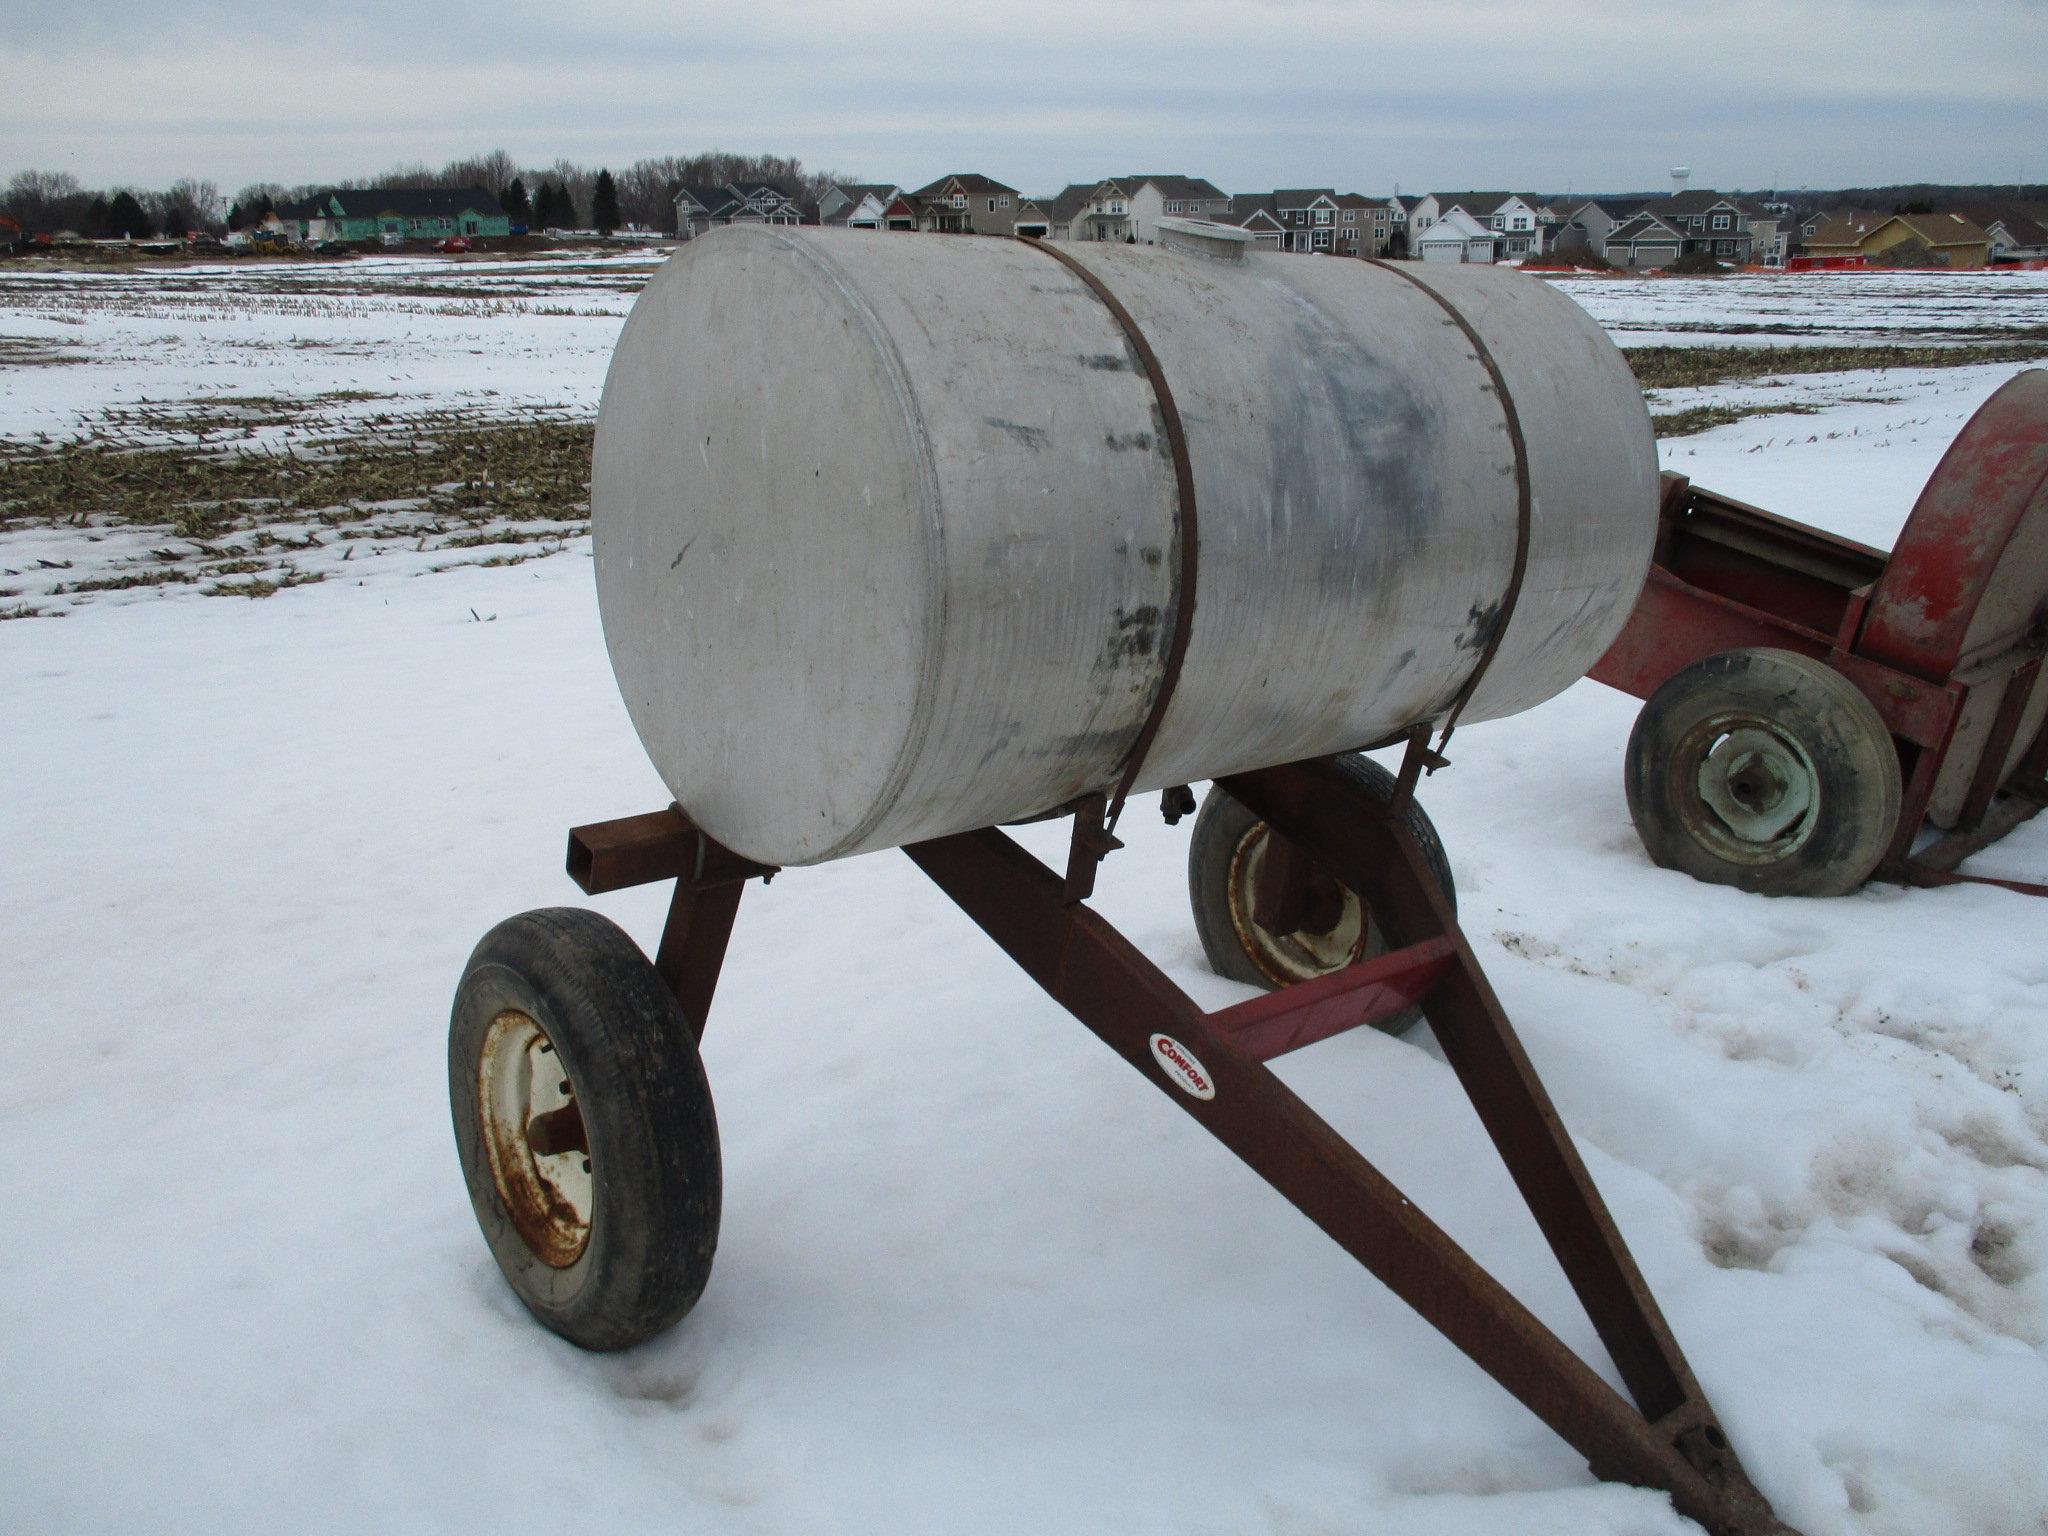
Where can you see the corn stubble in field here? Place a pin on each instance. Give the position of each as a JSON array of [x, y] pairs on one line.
[[233, 509]]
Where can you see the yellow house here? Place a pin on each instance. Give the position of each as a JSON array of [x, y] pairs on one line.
[[1951, 239]]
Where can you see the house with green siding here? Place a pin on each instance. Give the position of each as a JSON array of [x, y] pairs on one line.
[[392, 214]]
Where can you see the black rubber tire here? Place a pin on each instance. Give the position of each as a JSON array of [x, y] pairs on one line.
[[652, 1132], [1225, 826], [1850, 774]]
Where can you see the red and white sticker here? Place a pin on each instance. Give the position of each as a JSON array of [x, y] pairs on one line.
[[1179, 1064]]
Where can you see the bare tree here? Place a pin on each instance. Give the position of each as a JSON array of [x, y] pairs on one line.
[[45, 199], [493, 171]]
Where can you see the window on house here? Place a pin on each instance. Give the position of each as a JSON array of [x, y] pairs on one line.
[[1350, 216], [991, 205], [1323, 215], [1004, 201], [1322, 239], [959, 199], [1720, 221]]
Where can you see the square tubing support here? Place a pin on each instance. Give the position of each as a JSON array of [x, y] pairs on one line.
[[1667, 1438], [1671, 1441]]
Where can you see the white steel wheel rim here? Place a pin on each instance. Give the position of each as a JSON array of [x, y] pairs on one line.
[[534, 1139], [1755, 791], [1303, 954]]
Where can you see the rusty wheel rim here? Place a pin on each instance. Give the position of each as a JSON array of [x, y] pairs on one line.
[[1305, 953], [534, 1138]]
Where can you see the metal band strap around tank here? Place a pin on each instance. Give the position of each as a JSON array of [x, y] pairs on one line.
[[1184, 524], [1523, 500]]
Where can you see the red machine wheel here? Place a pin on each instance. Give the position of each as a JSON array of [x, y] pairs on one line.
[[1765, 770], [1225, 860], [585, 1127]]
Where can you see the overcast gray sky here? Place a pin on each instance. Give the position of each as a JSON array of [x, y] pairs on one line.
[[1360, 94]]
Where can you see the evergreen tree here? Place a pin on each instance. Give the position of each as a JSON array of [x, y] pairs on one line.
[[125, 218], [517, 208], [604, 203], [547, 211], [235, 216], [565, 205]]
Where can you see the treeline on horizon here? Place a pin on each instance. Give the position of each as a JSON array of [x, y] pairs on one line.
[[567, 195], [563, 195]]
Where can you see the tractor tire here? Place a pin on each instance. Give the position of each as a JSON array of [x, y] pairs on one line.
[[1765, 770], [1223, 859], [585, 1127]]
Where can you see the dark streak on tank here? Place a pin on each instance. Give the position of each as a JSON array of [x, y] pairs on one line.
[[1031, 437], [1106, 362], [1479, 626], [1120, 442], [1137, 632]]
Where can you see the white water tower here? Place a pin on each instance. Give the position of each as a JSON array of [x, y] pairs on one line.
[[1680, 175]]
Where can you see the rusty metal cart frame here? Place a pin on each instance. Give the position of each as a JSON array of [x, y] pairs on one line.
[[1729, 576], [1213, 1066]]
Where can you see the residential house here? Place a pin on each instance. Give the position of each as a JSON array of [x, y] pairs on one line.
[[1589, 223], [1842, 227], [1455, 236], [1513, 216], [1154, 197], [1256, 215], [1924, 239], [393, 214], [1401, 223], [1361, 225], [1644, 243], [702, 208], [1067, 206], [1309, 215], [1034, 218], [2015, 235], [1710, 223], [1770, 239], [856, 205], [902, 214], [967, 204], [1101, 213]]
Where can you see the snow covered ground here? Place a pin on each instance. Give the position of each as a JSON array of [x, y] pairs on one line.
[[974, 1275], [1821, 308], [122, 353]]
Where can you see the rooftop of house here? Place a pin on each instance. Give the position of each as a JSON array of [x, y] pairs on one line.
[[1186, 188], [1070, 200], [967, 181], [1697, 200], [1478, 204], [1245, 206], [1616, 208], [2022, 226], [410, 202], [1643, 226], [1943, 228], [1301, 197]]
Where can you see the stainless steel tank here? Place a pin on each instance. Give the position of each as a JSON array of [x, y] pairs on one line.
[[887, 527]]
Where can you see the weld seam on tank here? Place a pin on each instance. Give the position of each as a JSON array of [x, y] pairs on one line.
[[1187, 538], [1511, 595], [905, 393]]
